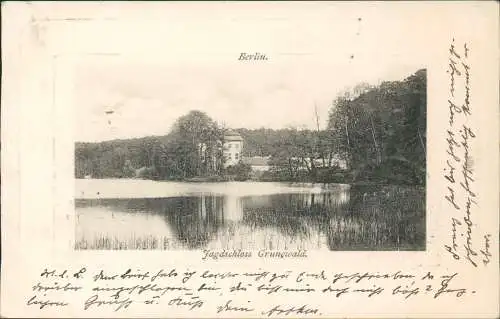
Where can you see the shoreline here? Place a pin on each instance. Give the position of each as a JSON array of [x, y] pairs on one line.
[[142, 188], [197, 180]]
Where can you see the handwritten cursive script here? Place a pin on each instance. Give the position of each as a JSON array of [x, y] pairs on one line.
[[229, 292], [460, 192]]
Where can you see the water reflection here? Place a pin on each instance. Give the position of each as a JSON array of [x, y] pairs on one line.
[[335, 219]]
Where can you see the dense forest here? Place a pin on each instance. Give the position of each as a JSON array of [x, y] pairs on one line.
[[380, 131]]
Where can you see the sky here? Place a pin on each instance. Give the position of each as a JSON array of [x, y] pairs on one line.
[[161, 65]]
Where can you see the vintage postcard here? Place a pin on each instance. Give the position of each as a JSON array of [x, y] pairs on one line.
[[250, 160]]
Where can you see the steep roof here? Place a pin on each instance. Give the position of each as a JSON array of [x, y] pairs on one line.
[[232, 136]]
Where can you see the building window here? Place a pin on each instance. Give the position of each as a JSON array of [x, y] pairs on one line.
[[236, 156]]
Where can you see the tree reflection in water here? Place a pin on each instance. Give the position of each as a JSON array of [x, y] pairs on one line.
[[385, 218]]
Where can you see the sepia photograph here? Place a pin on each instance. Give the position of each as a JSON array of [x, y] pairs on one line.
[[265, 160], [193, 157]]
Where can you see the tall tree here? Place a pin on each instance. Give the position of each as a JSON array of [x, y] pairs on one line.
[[196, 138]]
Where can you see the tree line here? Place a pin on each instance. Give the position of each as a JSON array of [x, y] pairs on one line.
[[192, 148], [379, 131]]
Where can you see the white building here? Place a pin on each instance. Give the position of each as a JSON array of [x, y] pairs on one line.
[[258, 163], [233, 145]]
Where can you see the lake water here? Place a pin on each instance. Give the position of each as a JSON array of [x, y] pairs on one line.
[[140, 214]]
